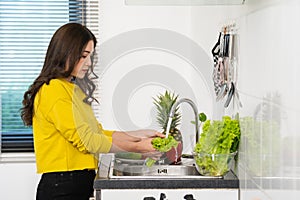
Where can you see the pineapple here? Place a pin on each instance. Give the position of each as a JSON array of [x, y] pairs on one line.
[[163, 104]]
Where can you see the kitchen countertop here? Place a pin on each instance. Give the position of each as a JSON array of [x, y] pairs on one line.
[[105, 179], [229, 181]]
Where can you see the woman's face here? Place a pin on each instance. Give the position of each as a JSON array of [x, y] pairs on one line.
[[85, 61]]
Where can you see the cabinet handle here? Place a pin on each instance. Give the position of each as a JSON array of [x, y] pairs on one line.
[[189, 197], [162, 196]]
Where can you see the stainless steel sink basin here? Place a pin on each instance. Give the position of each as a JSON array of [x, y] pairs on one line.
[[109, 169], [157, 170]]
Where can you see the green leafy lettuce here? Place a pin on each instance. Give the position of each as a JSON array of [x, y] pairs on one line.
[[162, 145], [218, 142]]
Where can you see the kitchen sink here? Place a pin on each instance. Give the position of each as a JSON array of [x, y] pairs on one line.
[[109, 168], [157, 170]]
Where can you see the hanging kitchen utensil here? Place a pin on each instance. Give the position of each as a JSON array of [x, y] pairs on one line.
[[233, 56], [218, 76], [219, 72], [216, 50], [226, 44], [217, 68], [230, 95], [225, 58], [224, 87]]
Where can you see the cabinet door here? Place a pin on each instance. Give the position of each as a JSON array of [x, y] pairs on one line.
[[169, 194]]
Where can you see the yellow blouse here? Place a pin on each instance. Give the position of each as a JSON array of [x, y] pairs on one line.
[[67, 136]]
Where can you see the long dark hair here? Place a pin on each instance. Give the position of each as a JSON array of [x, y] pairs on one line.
[[65, 49]]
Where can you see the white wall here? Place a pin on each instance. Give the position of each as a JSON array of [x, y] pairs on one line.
[[18, 181], [145, 50]]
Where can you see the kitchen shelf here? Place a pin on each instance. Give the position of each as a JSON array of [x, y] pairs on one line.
[[183, 2]]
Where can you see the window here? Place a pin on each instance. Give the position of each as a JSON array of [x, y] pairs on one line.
[[26, 28]]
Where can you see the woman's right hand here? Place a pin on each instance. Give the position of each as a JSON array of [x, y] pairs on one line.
[[145, 145], [148, 151], [140, 145], [122, 141]]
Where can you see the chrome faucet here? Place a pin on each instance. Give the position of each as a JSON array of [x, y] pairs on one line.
[[194, 107]]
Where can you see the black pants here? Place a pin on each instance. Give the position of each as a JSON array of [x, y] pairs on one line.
[[73, 185]]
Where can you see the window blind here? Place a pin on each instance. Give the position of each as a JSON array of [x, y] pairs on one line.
[[26, 28], [91, 20]]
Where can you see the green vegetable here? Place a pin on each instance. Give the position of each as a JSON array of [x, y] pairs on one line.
[[213, 164], [202, 117], [129, 155], [162, 145], [150, 162], [217, 137]]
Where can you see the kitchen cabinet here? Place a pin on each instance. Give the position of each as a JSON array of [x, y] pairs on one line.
[[170, 194], [226, 188]]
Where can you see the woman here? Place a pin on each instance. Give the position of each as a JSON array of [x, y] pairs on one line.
[[67, 136]]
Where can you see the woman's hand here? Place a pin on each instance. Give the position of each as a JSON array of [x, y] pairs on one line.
[[135, 141], [145, 133], [145, 145], [148, 152], [124, 136]]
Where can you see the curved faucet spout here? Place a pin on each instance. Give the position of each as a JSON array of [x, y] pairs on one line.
[[194, 107]]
